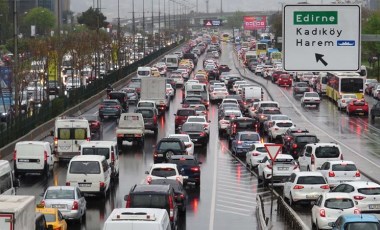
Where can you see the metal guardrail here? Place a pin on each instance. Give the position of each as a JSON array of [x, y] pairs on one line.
[[291, 218], [260, 213]]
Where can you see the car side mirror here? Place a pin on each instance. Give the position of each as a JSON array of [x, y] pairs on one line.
[[126, 197], [147, 172], [50, 227]]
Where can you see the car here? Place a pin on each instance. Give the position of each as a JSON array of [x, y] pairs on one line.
[[310, 98], [67, 199], [300, 88], [238, 124], [366, 194], [200, 119], [132, 95], [197, 132], [313, 155], [242, 142], [225, 119], [181, 116], [239, 100], [263, 113], [228, 106], [187, 140], [357, 106], [110, 108], [96, 125], [150, 117], [283, 167], [200, 110], [163, 170], [277, 128], [201, 78], [168, 147], [218, 94], [259, 69], [369, 86], [350, 221], [155, 72], [276, 75], [191, 101], [53, 217], [284, 80], [224, 68], [337, 172], [375, 90], [136, 85], [180, 194], [297, 142], [121, 96], [256, 153], [272, 118], [161, 66], [375, 111], [344, 100], [287, 136], [53, 87], [304, 187], [329, 207], [189, 167]]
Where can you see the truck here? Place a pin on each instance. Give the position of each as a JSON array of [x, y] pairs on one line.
[[154, 89], [17, 212], [131, 129]]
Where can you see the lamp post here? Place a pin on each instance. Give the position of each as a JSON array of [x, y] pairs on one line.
[[133, 30]]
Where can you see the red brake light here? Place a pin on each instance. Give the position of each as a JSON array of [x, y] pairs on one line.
[[128, 202], [171, 208], [155, 119], [112, 156], [101, 184], [298, 187], [67, 183], [42, 203], [294, 146], [356, 211], [75, 205], [195, 169], [359, 197], [202, 134], [14, 155], [322, 213], [357, 174], [149, 179], [296, 166], [326, 186], [343, 101], [331, 174], [45, 156], [312, 159], [255, 154]]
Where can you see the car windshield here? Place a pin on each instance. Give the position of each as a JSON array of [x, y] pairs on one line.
[[327, 152], [185, 113], [145, 113], [362, 226], [370, 191], [97, 151], [163, 172], [196, 119], [344, 167], [311, 180], [339, 203], [302, 84], [306, 139], [60, 194], [187, 127], [84, 167], [49, 217], [249, 137], [173, 145]]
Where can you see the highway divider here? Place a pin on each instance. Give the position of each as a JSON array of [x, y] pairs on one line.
[[78, 107], [292, 219], [260, 213]]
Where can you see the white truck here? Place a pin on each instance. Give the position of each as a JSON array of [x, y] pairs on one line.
[[154, 89], [130, 129], [17, 212]]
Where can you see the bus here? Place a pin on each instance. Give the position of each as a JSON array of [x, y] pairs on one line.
[[261, 49], [225, 37], [339, 83]]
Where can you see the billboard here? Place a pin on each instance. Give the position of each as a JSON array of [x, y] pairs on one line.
[[6, 86], [52, 66], [255, 23], [212, 22]]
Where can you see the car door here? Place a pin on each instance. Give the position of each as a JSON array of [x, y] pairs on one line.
[[262, 164], [288, 184], [115, 149], [81, 200], [324, 169], [316, 207]]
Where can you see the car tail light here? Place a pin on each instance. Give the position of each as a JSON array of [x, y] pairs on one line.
[[128, 204], [101, 184], [75, 205], [326, 186], [295, 167], [88, 139], [294, 146], [357, 174], [171, 208], [138, 135], [322, 213], [42, 203], [341, 156], [331, 174], [298, 187], [312, 159], [359, 197], [112, 156], [357, 211], [14, 155], [255, 154], [120, 135], [148, 179], [195, 169], [101, 106], [55, 141], [67, 183], [45, 156], [239, 142], [343, 101], [202, 134]]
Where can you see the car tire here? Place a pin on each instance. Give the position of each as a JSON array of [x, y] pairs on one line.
[[313, 225], [265, 182], [169, 154], [308, 168], [291, 201], [155, 131]]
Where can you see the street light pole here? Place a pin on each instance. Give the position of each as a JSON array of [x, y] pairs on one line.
[[159, 23], [133, 30], [152, 20], [143, 16]]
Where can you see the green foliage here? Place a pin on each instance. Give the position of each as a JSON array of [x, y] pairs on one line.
[[235, 21], [42, 18], [371, 26], [93, 19]]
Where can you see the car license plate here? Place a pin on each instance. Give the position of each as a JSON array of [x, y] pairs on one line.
[[160, 155], [194, 139], [185, 177], [58, 206], [313, 196], [374, 206], [84, 184], [282, 168], [129, 135]]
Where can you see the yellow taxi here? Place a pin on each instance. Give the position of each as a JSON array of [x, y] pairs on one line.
[[155, 72], [187, 62], [53, 217]]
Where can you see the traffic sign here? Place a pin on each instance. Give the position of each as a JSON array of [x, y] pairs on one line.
[[321, 37], [273, 150], [212, 22]]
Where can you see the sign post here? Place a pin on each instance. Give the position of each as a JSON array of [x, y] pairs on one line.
[[321, 37], [273, 150]]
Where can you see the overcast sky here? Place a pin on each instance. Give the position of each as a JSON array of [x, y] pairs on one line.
[[110, 6]]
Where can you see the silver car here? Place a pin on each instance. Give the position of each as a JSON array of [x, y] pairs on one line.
[[67, 199]]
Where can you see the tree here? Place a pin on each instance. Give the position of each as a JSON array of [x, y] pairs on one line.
[[235, 21], [93, 19], [42, 18]]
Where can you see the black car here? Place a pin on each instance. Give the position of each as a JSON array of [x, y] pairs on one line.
[[239, 124], [110, 108], [150, 118], [298, 141], [375, 111], [231, 81], [224, 68], [53, 88], [166, 148], [154, 196], [288, 135], [196, 131], [189, 167], [180, 193], [121, 97]]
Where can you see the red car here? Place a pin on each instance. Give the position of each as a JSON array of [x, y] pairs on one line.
[[276, 75], [357, 106], [284, 79], [181, 116]]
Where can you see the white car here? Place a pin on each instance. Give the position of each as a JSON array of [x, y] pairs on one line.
[[162, 68], [366, 194], [163, 170], [200, 119], [345, 100], [375, 91], [230, 100], [224, 122], [337, 172], [314, 155], [284, 166], [310, 98], [271, 118], [259, 69], [187, 140], [236, 84], [169, 90], [304, 187], [255, 155], [200, 110], [329, 207], [218, 94], [278, 128]]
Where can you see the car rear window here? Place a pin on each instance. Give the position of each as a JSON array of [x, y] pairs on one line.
[[183, 161], [173, 145], [336, 203], [148, 201], [72, 133], [344, 167], [284, 124], [163, 172], [311, 180], [261, 149], [244, 124], [109, 103], [268, 105], [185, 113], [196, 119], [49, 217], [302, 85], [362, 226], [85, 167], [369, 191], [145, 113], [60, 194], [187, 127], [146, 104], [97, 151], [249, 137], [270, 111], [306, 139], [327, 152], [116, 95]]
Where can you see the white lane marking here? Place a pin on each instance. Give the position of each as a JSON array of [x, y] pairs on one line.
[[212, 209], [236, 191], [243, 186], [96, 112], [245, 182], [237, 213], [228, 193], [233, 198], [233, 203], [229, 207], [250, 185], [336, 140]]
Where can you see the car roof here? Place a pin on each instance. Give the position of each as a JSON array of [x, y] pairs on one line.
[[284, 156], [164, 165], [347, 218], [328, 195], [61, 187], [340, 162], [305, 173], [177, 157], [141, 188], [362, 184], [88, 158]]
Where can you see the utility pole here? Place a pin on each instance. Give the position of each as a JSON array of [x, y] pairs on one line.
[[221, 7], [169, 13], [197, 7], [152, 21], [165, 14], [207, 6], [143, 17], [159, 23], [133, 30], [118, 36], [15, 62]]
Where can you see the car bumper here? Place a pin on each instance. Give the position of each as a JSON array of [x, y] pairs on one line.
[[333, 182], [365, 207], [323, 223], [305, 196], [70, 214]]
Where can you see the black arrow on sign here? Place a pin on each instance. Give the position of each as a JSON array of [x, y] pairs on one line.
[[318, 57]]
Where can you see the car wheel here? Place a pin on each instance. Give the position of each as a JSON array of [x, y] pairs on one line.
[[265, 181], [169, 154], [313, 225], [291, 201]]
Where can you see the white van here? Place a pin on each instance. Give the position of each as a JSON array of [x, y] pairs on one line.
[[171, 61], [321, 83], [144, 71], [253, 93], [69, 134], [137, 219], [90, 173], [108, 149], [7, 182], [33, 157]]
